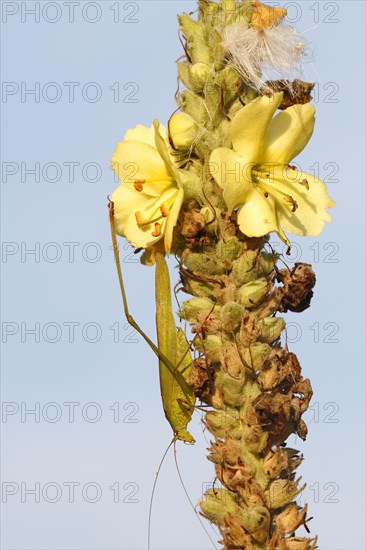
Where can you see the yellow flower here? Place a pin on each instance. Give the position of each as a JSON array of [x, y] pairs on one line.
[[256, 176], [150, 196]]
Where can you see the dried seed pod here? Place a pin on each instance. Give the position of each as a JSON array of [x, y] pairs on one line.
[[275, 463], [298, 287], [199, 377], [299, 543], [294, 93], [255, 438], [193, 223], [290, 518]]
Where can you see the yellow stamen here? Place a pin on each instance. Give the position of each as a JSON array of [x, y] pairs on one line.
[[267, 189], [157, 231], [291, 200], [163, 211]]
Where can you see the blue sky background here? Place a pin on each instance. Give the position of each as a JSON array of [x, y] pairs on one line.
[[109, 374]]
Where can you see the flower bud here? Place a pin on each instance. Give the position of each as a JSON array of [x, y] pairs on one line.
[[211, 346], [217, 503], [257, 354], [271, 329], [203, 262], [190, 309], [251, 293], [200, 288], [193, 31], [256, 520], [232, 391], [196, 76], [231, 315], [281, 492], [182, 131], [244, 268], [195, 106], [199, 74], [220, 423], [229, 250], [230, 80], [267, 261]]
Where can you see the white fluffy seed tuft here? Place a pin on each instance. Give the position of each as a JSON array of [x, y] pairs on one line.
[[269, 54]]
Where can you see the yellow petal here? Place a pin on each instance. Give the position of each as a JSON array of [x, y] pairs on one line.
[[136, 161], [141, 236], [172, 220], [249, 126], [148, 257], [125, 201], [144, 134], [232, 174], [288, 133], [161, 146], [311, 214], [257, 216]]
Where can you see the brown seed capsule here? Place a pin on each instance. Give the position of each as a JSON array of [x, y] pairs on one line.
[[291, 518], [298, 287], [294, 93]]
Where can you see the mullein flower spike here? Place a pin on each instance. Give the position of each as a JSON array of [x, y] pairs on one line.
[[212, 187]]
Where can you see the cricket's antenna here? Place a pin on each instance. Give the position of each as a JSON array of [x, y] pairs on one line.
[[153, 491], [187, 495]]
